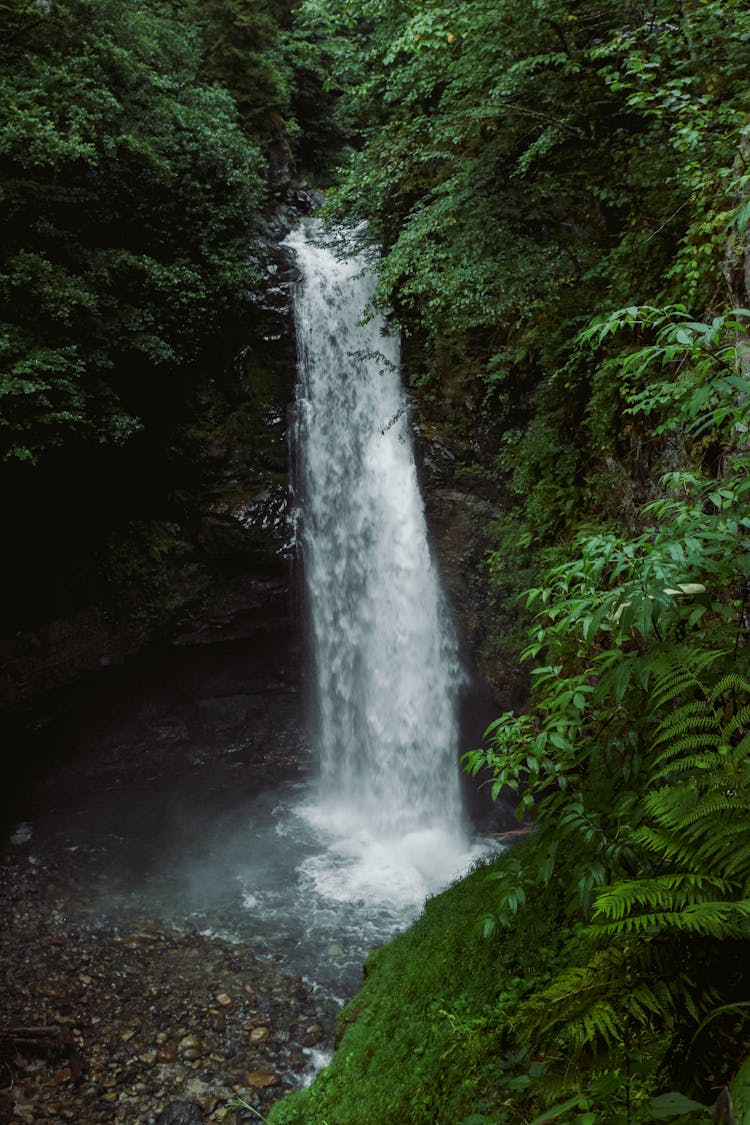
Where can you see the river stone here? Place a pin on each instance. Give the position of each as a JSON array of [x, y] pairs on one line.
[[258, 1034], [261, 1079], [312, 1035], [190, 1047], [181, 1113]]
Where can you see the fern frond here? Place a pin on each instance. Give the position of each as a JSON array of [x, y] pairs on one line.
[[672, 892], [678, 759], [669, 686], [692, 714], [738, 721], [701, 731], [710, 805], [687, 764], [738, 863], [591, 1005], [695, 705], [731, 682], [711, 846], [599, 1022], [656, 840], [676, 807], [718, 920], [683, 675], [720, 850]]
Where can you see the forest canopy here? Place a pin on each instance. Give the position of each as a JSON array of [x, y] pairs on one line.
[[130, 194], [527, 168]]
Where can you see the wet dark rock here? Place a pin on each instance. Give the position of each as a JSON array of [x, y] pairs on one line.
[[307, 199], [312, 1035], [181, 1113]]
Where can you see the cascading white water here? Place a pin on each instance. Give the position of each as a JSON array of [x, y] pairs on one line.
[[387, 669]]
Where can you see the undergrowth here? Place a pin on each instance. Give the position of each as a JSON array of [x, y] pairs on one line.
[[424, 1039]]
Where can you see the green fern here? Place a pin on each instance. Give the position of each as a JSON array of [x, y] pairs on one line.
[[681, 676], [697, 828], [668, 892], [715, 919], [739, 721], [590, 1005], [649, 933]]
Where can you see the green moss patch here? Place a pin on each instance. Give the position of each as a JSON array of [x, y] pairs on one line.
[[423, 1039]]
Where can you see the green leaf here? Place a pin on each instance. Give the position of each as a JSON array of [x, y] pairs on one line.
[[579, 1101], [673, 1104], [519, 1082]]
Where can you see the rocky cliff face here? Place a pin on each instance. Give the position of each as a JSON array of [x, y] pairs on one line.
[[462, 506], [461, 509], [194, 548]]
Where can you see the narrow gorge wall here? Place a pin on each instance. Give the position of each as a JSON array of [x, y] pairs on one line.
[[183, 539]]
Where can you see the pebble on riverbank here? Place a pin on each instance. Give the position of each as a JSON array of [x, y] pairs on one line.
[[135, 1024]]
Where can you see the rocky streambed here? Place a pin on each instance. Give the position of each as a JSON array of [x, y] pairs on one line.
[[119, 1020], [112, 1008]]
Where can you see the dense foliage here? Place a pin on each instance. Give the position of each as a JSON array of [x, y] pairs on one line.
[[243, 50], [527, 167], [129, 197], [134, 186], [634, 762]]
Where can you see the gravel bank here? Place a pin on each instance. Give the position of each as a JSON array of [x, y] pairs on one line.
[[114, 1020]]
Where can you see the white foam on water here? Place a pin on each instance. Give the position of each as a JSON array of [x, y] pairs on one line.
[[319, 1060], [396, 872]]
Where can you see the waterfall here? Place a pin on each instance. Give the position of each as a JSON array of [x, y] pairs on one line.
[[386, 663], [313, 871]]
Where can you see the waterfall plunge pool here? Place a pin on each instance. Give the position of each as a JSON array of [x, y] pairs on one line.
[[231, 850]]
